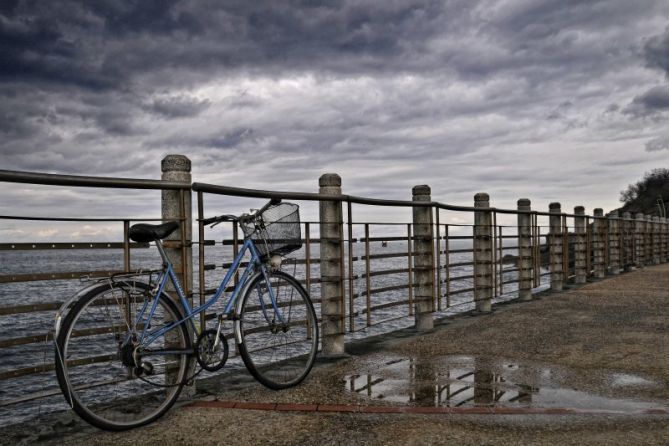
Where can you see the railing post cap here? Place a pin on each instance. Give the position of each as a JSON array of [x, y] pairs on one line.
[[580, 210], [175, 163], [554, 206], [656, 218], [640, 216], [627, 215], [329, 180], [612, 214], [421, 189], [649, 217], [598, 212], [481, 196], [524, 202]]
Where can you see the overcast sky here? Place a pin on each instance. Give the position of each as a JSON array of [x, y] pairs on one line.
[[553, 100]]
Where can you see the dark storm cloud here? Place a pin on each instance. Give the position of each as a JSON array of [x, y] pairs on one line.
[[656, 52], [102, 45], [105, 44], [653, 101], [178, 106]]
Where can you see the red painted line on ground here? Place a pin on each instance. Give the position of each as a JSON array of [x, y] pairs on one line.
[[338, 408], [255, 406], [352, 408], [292, 407]]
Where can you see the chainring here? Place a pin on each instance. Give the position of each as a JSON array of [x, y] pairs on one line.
[[209, 359]]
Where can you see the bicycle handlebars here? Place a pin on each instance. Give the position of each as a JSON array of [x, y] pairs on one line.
[[229, 217]]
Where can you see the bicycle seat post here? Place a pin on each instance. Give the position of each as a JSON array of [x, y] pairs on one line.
[[163, 254]]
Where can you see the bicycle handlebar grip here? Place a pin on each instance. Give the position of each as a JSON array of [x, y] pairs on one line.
[[272, 202], [208, 221]]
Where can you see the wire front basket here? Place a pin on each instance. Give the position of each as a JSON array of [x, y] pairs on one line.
[[276, 231]]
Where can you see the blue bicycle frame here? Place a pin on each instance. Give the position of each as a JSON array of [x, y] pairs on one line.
[[168, 273]]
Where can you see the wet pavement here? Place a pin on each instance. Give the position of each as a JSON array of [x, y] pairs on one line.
[[599, 352]]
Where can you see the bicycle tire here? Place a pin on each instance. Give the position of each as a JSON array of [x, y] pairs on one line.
[[277, 355], [121, 397]]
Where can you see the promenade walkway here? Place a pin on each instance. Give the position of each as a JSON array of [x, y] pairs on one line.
[[589, 365]]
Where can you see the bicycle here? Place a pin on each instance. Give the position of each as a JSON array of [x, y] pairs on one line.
[[137, 345]]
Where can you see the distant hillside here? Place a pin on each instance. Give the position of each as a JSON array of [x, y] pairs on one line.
[[645, 194]]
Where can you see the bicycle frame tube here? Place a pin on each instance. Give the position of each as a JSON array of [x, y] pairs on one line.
[[170, 275]]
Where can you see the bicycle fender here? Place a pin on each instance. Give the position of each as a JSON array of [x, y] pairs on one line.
[[64, 308]]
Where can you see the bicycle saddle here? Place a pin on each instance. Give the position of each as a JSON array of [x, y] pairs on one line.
[[144, 233]]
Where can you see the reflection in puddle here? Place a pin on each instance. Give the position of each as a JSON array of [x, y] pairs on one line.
[[624, 380], [457, 381]]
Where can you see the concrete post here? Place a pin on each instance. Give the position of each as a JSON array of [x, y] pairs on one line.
[[640, 240], [656, 240], [614, 243], [627, 243], [599, 243], [580, 246], [555, 246], [332, 287], [664, 255], [649, 240], [524, 251], [177, 168], [483, 267], [177, 205], [423, 259]]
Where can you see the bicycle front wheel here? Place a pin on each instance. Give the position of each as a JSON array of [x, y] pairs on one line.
[[110, 376], [279, 337]]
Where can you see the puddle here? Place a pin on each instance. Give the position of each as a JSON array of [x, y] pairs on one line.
[[626, 380], [462, 381]]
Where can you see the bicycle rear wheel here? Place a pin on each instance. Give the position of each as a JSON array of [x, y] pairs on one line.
[[278, 345], [110, 379]]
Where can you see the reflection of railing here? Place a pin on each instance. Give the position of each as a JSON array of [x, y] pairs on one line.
[[360, 273], [425, 382]]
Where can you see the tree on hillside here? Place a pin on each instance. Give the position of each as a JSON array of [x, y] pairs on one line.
[[652, 181]]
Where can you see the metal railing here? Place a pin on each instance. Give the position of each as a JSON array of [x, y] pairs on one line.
[[379, 262]]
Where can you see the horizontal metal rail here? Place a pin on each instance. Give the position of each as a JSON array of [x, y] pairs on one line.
[[78, 245], [310, 196], [11, 176], [12, 278]]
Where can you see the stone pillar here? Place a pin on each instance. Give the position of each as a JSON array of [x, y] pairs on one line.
[[483, 267], [580, 248], [656, 240], [664, 255], [640, 240], [649, 240], [599, 228], [177, 168], [627, 242], [555, 246], [176, 205], [614, 243], [332, 286], [524, 251], [423, 259]]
